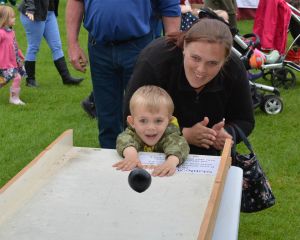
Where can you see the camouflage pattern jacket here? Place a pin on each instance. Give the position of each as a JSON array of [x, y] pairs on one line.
[[171, 143]]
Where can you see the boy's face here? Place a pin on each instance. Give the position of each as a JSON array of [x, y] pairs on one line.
[[149, 126]]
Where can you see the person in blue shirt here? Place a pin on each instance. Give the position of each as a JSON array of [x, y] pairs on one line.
[[88, 104], [117, 34]]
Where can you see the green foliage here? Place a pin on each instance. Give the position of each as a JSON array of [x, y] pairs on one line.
[[50, 109], [53, 108]]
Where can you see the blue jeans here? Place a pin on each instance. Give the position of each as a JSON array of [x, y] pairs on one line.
[[36, 30], [111, 68]]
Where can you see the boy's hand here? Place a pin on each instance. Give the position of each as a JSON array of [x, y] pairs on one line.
[[130, 161], [128, 164], [168, 168]]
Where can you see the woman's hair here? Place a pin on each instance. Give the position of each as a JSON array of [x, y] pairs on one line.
[[205, 30], [153, 98], [5, 13]]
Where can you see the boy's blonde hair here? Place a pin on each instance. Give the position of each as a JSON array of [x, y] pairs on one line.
[[5, 13], [153, 98]]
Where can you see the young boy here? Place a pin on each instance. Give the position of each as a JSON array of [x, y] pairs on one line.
[[152, 128]]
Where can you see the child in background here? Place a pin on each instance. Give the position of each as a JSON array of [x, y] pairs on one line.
[[190, 14], [152, 128], [11, 58]]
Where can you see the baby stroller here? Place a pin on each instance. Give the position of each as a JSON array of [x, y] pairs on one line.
[[280, 71], [265, 97]]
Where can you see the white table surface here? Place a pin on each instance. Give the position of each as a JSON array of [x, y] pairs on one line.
[[57, 199], [228, 217]]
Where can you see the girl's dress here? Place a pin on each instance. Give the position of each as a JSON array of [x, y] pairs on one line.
[[11, 57]]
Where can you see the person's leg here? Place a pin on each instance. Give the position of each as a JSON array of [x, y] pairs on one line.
[[30, 72], [52, 37], [88, 105], [106, 87], [128, 54], [213, 4], [15, 89], [229, 6], [34, 33], [111, 68]]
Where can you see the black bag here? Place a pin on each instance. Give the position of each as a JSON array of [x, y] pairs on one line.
[[256, 193]]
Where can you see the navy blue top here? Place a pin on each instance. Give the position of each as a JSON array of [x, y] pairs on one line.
[[117, 20]]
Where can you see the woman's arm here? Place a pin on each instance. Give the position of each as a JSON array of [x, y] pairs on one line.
[[240, 106]]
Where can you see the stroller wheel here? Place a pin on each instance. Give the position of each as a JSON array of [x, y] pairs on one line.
[[271, 104], [268, 75], [283, 77]]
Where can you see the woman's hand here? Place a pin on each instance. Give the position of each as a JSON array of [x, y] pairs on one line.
[[168, 168], [185, 8], [221, 135], [30, 16], [200, 135]]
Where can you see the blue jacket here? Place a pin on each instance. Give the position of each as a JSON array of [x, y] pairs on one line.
[[112, 20]]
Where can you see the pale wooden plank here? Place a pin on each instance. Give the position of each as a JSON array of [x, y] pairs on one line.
[[24, 185], [208, 223], [168, 193]]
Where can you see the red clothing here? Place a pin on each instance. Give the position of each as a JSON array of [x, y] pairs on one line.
[[8, 57], [271, 24], [192, 2], [196, 1]]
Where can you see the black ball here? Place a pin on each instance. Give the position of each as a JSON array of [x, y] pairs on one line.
[[139, 179]]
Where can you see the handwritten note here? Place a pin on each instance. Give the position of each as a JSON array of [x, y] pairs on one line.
[[198, 164]]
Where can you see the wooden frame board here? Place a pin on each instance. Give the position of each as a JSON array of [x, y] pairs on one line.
[[72, 192]]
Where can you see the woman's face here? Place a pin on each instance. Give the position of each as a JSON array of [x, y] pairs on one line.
[[202, 62]]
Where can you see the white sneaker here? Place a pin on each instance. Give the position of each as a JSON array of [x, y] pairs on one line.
[[16, 101]]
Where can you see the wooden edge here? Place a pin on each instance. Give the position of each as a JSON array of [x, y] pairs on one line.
[[65, 134], [208, 223], [23, 185]]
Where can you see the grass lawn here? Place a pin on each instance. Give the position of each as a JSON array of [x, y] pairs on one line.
[[53, 107]]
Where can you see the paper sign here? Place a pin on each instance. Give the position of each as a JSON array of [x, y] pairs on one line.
[[198, 164]]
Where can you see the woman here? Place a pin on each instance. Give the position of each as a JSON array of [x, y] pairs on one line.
[[39, 20], [207, 83]]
